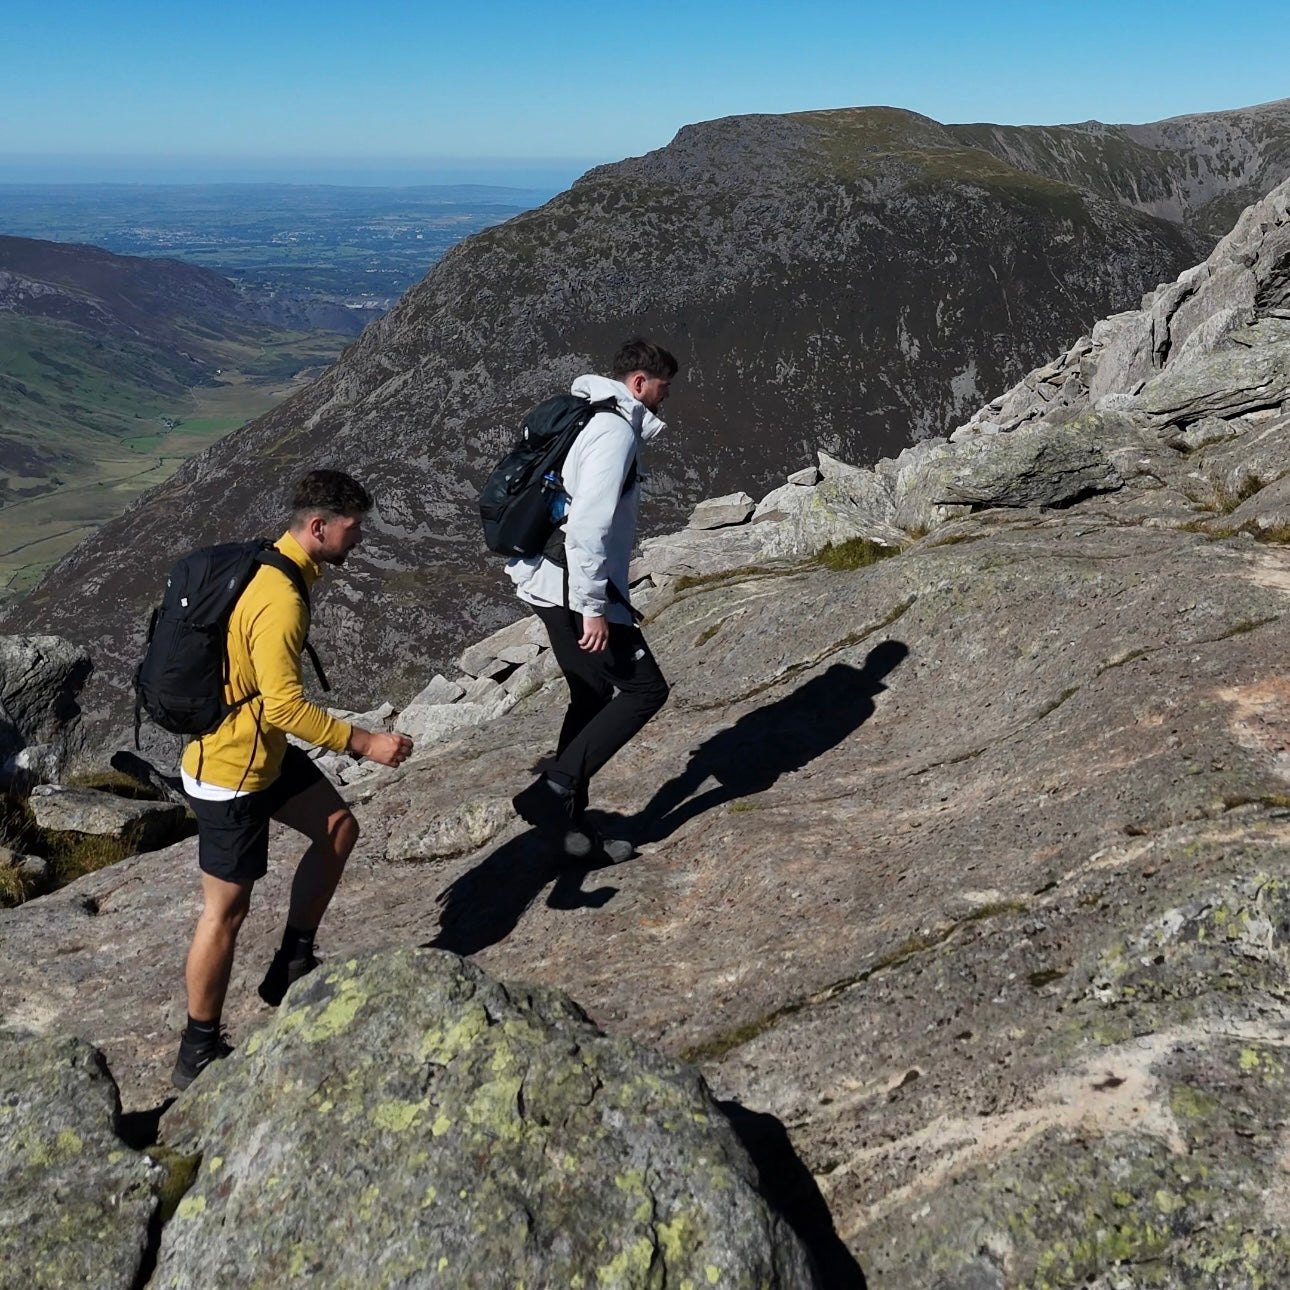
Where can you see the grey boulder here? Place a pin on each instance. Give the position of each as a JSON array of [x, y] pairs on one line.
[[405, 1120], [40, 680], [141, 825], [75, 1202]]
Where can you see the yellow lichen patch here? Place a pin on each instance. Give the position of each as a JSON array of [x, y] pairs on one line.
[[495, 1107], [338, 1015], [441, 1046], [679, 1239], [441, 1126], [426, 1201], [215, 1163], [713, 1274], [190, 1207], [443, 1262], [70, 1143], [398, 1116], [367, 1202], [629, 1266]]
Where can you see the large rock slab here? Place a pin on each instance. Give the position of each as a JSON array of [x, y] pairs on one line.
[[407, 1121], [719, 512], [1036, 465], [76, 1203], [139, 824]]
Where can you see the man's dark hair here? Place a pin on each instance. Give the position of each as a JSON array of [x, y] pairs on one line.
[[329, 492], [641, 355]]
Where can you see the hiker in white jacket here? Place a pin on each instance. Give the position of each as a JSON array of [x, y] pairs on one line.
[[615, 685]]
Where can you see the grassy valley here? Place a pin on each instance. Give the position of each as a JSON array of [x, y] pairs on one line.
[[88, 422]]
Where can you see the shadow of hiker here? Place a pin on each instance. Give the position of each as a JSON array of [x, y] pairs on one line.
[[792, 1191], [486, 903], [766, 743]]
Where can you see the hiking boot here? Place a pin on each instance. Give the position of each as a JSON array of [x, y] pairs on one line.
[[547, 806], [284, 972], [601, 849], [615, 850], [195, 1055]]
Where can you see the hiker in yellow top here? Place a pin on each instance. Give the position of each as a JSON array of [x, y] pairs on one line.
[[245, 773]]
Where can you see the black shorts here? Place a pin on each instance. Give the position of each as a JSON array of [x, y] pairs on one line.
[[233, 835]]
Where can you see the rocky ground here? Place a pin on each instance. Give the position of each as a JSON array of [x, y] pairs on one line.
[[967, 867]]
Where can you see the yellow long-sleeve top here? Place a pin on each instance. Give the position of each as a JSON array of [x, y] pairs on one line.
[[266, 635]]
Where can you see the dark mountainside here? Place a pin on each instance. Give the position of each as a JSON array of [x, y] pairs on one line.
[[854, 280]]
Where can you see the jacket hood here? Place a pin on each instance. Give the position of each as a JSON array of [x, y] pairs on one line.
[[595, 388]]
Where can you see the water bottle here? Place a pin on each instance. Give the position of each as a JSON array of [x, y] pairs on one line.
[[557, 504]]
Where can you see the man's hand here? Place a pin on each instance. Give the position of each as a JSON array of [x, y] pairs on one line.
[[595, 634], [388, 750]]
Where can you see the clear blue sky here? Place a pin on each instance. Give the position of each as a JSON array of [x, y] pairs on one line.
[[480, 87]]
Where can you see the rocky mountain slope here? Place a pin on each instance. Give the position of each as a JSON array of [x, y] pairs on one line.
[[854, 280], [964, 871]]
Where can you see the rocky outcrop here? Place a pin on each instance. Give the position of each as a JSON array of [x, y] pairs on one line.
[[490, 1136], [854, 280], [140, 825], [76, 1204], [40, 683]]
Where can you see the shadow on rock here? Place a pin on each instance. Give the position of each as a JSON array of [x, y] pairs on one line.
[[485, 904], [140, 1129], [768, 742], [790, 1188]]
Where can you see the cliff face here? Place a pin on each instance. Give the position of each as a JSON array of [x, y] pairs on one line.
[[1200, 170], [965, 872], [853, 280]]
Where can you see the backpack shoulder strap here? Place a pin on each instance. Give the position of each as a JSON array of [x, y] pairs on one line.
[[274, 558]]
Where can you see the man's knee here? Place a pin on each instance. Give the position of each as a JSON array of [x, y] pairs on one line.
[[345, 832], [655, 694]]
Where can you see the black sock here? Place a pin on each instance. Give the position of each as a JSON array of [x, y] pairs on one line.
[[201, 1029], [297, 943]]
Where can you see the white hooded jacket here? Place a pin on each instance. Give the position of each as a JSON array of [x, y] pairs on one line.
[[601, 526]]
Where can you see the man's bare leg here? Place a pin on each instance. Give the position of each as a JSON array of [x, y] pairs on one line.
[[210, 958], [321, 815]]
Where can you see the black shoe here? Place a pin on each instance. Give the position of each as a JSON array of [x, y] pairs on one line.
[[195, 1055], [282, 973], [614, 850], [547, 806], [595, 848]]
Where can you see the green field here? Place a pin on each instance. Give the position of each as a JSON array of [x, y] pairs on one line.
[[88, 424]]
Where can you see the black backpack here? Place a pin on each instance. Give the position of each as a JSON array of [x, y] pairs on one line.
[[515, 505], [180, 683]]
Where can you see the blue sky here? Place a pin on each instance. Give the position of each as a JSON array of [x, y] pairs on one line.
[[496, 88]]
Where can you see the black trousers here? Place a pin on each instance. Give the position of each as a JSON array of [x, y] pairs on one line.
[[612, 694]]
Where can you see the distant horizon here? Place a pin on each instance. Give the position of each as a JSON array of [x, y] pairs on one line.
[[551, 175]]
